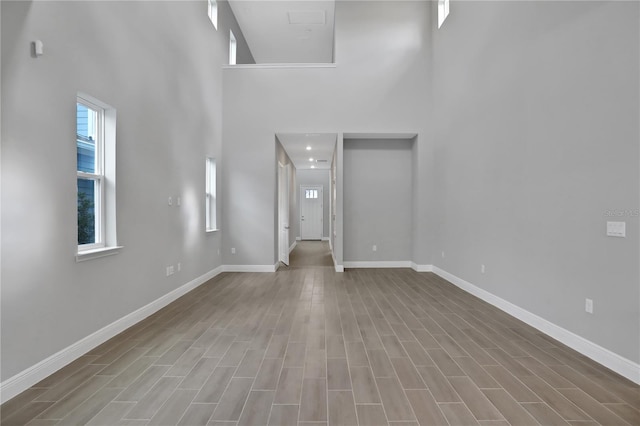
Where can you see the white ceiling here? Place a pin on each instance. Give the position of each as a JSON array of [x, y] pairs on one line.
[[289, 31], [322, 147]]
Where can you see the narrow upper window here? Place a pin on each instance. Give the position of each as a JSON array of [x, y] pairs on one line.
[[443, 11], [233, 46], [210, 191], [95, 168], [213, 13]]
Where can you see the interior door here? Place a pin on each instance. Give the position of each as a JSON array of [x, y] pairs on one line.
[[283, 212], [311, 212]]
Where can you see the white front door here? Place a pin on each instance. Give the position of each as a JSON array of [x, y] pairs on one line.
[[311, 219], [283, 212]]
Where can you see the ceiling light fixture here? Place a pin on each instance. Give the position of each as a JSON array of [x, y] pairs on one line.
[[308, 148], [310, 159], [313, 167]]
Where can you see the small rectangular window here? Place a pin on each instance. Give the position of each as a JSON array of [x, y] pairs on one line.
[[232, 48], [443, 11], [213, 13], [210, 195]]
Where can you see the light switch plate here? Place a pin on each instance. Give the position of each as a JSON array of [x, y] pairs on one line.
[[616, 229]]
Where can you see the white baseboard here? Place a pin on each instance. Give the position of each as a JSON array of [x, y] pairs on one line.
[[339, 268], [298, 239], [32, 375], [250, 268], [295, 243], [379, 264], [325, 238], [421, 268], [611, 360]]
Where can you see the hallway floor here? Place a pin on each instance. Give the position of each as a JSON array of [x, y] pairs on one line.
[[308, 346]]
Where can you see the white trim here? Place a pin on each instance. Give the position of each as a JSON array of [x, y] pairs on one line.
[[269, 66], [339, 268], [421, 268], [295, 243], [250, 268], [611, 360], [298, 239], [32, 375], [325, 238], [97, 253], [379, 264]]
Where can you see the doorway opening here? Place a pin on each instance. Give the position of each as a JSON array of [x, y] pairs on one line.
[[283, 212]]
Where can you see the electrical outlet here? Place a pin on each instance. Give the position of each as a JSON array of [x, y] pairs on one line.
[[170, 201], [482, 268], [218, 252], [169, 270], [233, 250], [179, 266], [588, 305], [443, 255], [374, 248]]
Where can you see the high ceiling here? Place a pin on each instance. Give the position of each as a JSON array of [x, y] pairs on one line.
[[318, 157], [290, 31]]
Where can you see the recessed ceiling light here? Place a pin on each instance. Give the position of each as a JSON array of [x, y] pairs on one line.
[[313, 167], [310, 159], [308, 148]]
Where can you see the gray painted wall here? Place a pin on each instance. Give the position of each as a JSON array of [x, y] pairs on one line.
[[316, 177], [379, 84], [537, 136], [378, 199], [166, 85]]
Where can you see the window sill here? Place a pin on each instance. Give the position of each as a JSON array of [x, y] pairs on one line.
[[212, 230], [97, 253]]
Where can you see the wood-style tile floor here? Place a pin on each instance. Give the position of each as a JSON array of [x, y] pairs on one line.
[[308, 346]]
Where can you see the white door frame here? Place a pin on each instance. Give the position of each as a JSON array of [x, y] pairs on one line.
[[283, 213], [320, 189]]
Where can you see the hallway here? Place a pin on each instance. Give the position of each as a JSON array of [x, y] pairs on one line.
[[311, 253], [367, 347]]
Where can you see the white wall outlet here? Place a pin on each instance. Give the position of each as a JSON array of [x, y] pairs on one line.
[[233, 250], [588, 305], [179, 266], [169, 270], [374, 248], [443, 255], [482, 268], [218, 252], [616, 229], [170, 201]]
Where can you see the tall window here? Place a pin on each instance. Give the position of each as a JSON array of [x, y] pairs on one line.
[[213, 13], [443, 11], [95, 168], [90, 166], [233, 47], [210, 191]]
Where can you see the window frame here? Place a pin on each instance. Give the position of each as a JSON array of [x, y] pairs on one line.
[[211, 201], [105, 175], [212, 11], [443, 11], [233, 48], [98, 177]]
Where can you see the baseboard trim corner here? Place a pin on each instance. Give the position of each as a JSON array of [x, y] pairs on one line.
[[295, 243], [597, 353], [421, 268], [32, 375]]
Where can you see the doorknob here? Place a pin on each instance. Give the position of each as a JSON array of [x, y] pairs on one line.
[[286, 227]]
